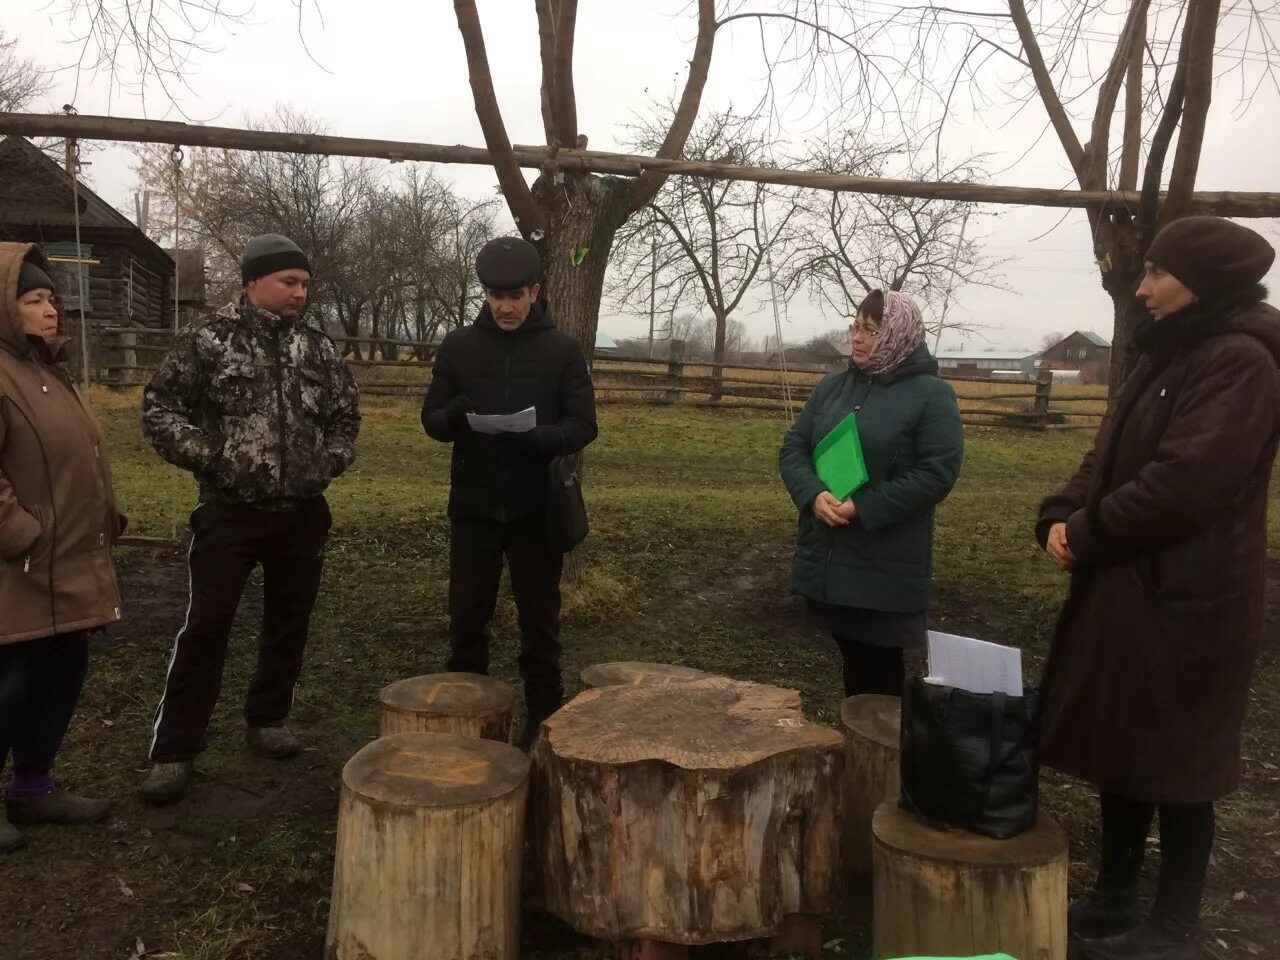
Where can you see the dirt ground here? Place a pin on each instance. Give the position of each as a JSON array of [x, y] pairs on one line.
[[242, 868]]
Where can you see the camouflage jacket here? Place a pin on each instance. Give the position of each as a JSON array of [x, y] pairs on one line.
[[262, 410]]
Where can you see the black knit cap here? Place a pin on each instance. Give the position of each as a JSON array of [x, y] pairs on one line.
[[1211, 256], [270, 253], [31, 277], [508, 263]]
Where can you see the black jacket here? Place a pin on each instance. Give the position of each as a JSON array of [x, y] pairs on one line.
[[503, 477]]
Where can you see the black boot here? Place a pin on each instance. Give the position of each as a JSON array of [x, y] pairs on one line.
[[1109, 909], [540, 702], [1168, 935]]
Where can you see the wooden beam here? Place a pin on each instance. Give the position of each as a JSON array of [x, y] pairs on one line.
[[128, 129]]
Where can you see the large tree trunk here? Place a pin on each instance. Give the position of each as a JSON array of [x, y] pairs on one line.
[[1120, 249], [584, 212]]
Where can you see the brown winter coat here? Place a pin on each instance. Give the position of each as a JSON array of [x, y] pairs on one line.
[[58, 515], [1149, 672]]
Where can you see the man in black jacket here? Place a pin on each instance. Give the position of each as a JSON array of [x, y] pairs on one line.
[[510, 359]]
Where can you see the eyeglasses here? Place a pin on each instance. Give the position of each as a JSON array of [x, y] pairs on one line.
[[861, 328]]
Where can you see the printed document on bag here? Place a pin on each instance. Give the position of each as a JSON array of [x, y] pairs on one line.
[[521, 422], [974, 665]]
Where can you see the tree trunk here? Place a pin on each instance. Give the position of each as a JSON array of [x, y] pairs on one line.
[[717, 353], [1120, 248], [461, 703], [585, 212]]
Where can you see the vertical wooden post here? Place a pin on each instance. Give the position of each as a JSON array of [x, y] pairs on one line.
[[1044, 391], [675, 371]]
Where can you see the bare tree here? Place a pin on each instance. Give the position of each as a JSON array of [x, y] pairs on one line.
[[854, 243], [702, 243], [22, 83], [1158, 81], [1050, 340]]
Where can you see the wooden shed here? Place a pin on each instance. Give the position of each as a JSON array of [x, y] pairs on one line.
[[127, 275]]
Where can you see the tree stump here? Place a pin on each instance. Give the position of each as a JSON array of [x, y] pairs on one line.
[[430, 834], [635, 671], [463, 703], [871, 746], [687, 813], [955, 893]]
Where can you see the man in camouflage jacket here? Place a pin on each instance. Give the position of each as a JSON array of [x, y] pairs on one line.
[[259, 406]]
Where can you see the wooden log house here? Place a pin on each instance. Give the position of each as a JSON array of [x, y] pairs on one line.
[[128, 277]]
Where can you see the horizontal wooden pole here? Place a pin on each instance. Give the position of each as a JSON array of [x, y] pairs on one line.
[[132, 129]]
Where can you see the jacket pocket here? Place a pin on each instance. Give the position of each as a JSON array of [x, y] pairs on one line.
[[316, 395], [235, 389], [39, 552]]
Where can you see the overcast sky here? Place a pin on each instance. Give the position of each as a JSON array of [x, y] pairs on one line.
[[395, 69]]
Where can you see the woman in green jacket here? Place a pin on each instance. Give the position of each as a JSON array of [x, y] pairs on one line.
[[864, 565]]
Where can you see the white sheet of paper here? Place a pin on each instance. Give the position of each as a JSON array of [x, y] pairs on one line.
[[975, 665], [521, 422]]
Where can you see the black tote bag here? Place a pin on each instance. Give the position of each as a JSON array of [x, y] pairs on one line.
[[970, 760], [566, 511]]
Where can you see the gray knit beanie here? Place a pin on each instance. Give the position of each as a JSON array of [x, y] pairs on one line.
[[271, 253], [31, 277]]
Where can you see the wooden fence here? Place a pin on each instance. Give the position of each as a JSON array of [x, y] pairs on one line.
[[125, 357]]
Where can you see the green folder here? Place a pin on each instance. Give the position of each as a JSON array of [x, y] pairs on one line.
[[838, 459]]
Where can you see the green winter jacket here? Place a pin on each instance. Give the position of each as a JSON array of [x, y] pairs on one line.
[[913, 442]]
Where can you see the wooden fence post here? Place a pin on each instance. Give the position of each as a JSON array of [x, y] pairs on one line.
[[1044, 391], [675, 370]]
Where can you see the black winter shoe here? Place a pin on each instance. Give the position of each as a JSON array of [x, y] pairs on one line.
[[167, 782], [58, 806], [1106, 911], [1157, 939]]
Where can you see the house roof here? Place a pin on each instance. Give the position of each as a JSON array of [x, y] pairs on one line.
[[1096, 339], [35, 190], [986, 354]]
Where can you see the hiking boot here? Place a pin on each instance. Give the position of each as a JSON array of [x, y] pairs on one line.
[[11, 837], [275, 743], [1157, 939], [1106, 911], [57, 806], [167, 782]]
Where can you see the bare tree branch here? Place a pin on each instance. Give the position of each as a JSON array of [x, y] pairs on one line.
[[648, 184], [1047, 90], [1131, 150], [566, 111], [524, 209], [1202, 19]]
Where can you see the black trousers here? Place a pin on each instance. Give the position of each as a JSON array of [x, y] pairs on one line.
[[476, 549], [1186, 843], [40, 682], [228, 541], [871, 667]]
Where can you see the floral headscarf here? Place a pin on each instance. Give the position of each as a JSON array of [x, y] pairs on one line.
[[901, 334]]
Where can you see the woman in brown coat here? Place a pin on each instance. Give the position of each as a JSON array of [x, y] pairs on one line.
[[1164, 530], [58, 520]]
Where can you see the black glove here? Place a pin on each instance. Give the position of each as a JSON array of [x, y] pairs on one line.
[[455, 414], [542, 441]]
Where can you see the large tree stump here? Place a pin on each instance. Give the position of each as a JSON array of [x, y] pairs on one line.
[[467, 704], [687, 813], [871, 746], [955, 893], [430, 834], [636, 671]]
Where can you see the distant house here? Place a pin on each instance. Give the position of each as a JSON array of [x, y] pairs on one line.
[[1084, 351], [821, 356], [606, 346], [992, 364]]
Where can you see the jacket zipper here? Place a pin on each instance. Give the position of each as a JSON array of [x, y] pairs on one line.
[[506, 395], [279, 367]]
